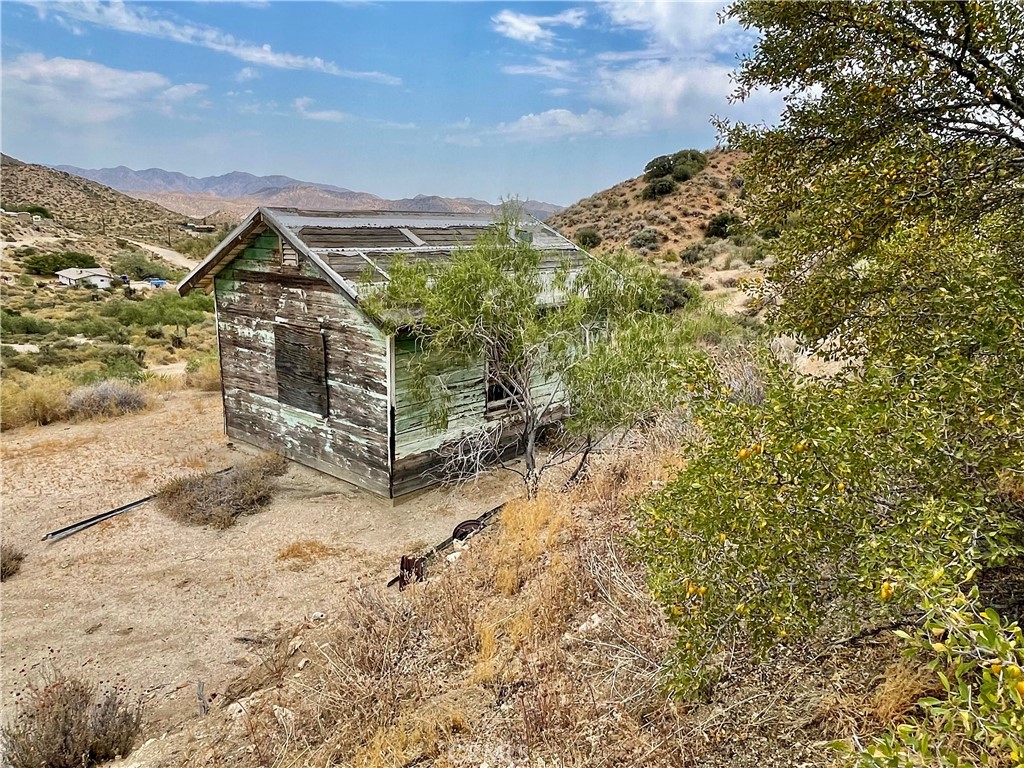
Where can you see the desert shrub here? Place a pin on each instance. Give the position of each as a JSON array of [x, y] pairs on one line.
[[67, 722], [18, 362], [659, 167], [218, 499], [11, 558], [138, 266], [806, 509], [12, 323], [106, 398], [687, 164], [658, 188], [588, 237], [33, 400], [203, 373], [722, 224], [198, 247], [124, 363], [647, 238], [681, 166], [676, 292], [693, 254], [33, 208], [166, 308], [48, 263], [977, 655]]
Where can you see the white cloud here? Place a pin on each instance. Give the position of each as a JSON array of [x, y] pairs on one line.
[[139, 20], [524, 28], [303, 104], [556, 69], [74, 91], [555, 124], [675, 81], [691, 30], [247, 73], [183, 91]]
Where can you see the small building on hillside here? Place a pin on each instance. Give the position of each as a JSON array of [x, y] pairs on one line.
[[97, 277], [308, 373]]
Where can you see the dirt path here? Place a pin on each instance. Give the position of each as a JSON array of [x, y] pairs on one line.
[[162, 604], [174, 257]]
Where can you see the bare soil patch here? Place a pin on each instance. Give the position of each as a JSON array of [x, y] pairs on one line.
[[165, 605]]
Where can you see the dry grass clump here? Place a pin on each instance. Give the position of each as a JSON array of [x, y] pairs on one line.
[[33, 400], [160, 384], [67, 722], [203, 375], [11, 558], [106, 398], [304, 553], [218, 499]]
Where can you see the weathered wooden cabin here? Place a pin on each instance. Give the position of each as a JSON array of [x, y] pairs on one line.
[[306, 372]]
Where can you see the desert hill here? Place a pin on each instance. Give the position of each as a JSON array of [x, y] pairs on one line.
[[678, 219], [231, 196], [82, 204]]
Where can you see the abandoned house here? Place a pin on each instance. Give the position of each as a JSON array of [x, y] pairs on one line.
[[308, 373]]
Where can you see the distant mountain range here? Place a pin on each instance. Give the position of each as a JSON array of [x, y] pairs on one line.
[[235, 194]]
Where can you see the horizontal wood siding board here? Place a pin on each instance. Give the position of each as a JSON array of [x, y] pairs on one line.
[[371, 484], [420, 470], [299, 281], [306, 434]]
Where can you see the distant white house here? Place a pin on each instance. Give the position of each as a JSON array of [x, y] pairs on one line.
[[22, 216], [97, 277]]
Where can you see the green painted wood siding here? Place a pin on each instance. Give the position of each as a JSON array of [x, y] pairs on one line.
[[255, 293]]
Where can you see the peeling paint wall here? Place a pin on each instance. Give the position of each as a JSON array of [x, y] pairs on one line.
[[255, 293]]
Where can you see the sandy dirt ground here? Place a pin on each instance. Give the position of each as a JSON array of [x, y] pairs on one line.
[[165, 605]]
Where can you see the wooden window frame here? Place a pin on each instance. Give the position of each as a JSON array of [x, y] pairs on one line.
[[301, 372]]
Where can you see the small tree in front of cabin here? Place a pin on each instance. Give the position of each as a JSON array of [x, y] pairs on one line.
[[590, 335]]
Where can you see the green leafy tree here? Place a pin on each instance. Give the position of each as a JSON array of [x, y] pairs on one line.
[[493, 302], [893, 178], [138, 266], [49, 263]]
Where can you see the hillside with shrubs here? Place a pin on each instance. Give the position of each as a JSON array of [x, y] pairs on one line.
[[663, 211], [79, 352]]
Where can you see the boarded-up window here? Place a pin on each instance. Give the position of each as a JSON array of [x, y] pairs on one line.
[[301, 364]]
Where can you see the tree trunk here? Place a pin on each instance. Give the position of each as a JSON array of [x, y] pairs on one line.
[[581, 469], [532, 477]]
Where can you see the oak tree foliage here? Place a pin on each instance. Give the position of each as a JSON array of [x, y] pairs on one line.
[[833, 503]]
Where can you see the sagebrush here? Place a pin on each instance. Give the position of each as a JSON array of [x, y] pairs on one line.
[[63, 721], [218, 499]]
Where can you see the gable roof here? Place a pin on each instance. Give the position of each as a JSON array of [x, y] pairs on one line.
[[74, 273], [342, 244]]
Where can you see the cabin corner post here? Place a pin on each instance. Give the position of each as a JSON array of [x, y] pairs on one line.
[[390, 367], [220, 358]]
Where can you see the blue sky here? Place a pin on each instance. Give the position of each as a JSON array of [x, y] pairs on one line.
[[553, 101]]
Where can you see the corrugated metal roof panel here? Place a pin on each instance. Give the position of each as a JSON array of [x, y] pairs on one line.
[[354, 237]]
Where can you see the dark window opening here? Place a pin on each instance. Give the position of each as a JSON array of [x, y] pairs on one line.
[[500, 389], [300, 359]]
